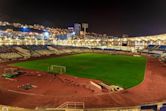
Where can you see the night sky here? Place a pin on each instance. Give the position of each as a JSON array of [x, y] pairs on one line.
[[116, 17]]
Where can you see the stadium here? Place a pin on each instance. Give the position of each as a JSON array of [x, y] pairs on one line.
[[52, 69]]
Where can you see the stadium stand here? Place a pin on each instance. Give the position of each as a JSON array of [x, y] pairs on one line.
[[149, 107], [7, 53], [37, 51], [157, 47], [163, 108], [24, 52], [27, 51]]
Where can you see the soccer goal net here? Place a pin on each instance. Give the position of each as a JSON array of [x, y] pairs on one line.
[[55, 69]]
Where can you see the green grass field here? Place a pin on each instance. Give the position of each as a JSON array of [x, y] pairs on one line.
[[125, 71]]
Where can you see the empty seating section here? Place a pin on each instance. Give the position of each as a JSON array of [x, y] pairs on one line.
[[24, 52], [157, 47], [151, 46], [7, 53], [6, 49], [162, 47], [10, 55], [27, 51], [38, 50]]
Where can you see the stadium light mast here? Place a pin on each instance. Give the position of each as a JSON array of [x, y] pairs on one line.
[[84, 26]]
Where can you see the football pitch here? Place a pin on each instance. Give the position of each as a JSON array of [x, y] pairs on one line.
[[122, 70]]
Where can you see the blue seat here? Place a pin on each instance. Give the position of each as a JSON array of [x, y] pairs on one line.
[[149, 107], [162, 48], [163, 108], [151, 46]]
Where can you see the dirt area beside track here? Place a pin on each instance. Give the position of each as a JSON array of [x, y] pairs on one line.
[[51, 91]]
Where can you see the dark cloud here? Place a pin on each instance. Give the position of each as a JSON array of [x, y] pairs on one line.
[[114, 17]]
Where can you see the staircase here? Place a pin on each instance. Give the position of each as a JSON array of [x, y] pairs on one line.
[[23, 52]]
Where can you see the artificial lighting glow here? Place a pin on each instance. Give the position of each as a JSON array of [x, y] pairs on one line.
[[73, 33], [24, 27], [46, 34]]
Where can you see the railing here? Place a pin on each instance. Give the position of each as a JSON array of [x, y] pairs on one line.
[[69, 105], [74, 105]]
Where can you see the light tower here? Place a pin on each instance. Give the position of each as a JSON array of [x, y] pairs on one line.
[[84, 26], [77, 28]]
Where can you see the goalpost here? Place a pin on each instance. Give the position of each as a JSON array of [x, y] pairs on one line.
[[55, 69]]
